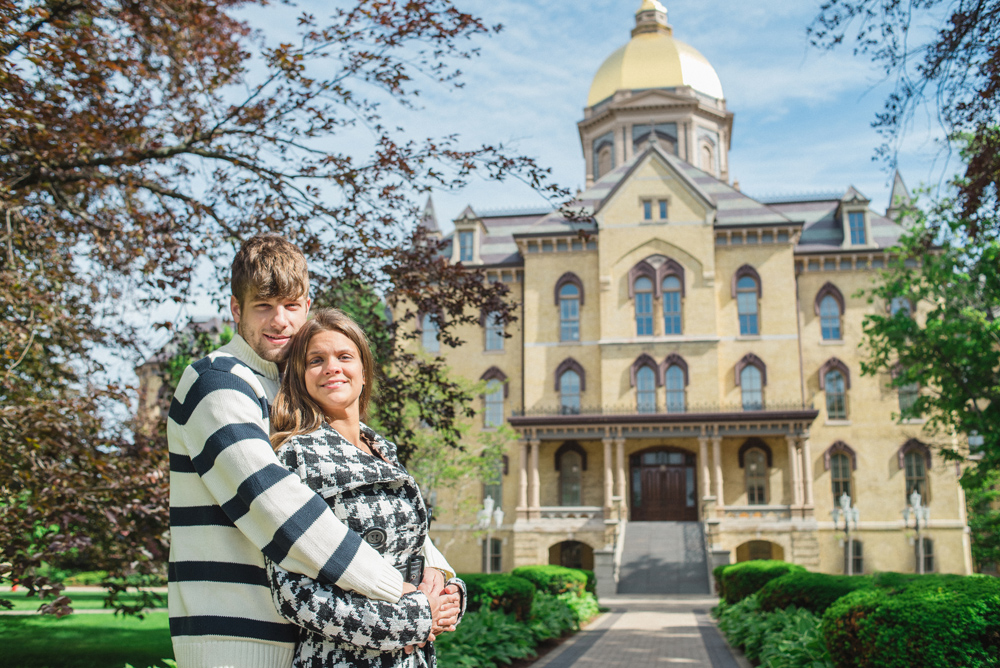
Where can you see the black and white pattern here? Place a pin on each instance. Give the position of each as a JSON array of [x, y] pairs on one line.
[[340, 628]]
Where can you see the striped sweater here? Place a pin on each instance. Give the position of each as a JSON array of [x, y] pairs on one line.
[[232, 503]]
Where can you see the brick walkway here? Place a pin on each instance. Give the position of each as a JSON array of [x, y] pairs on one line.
[[641, 631]]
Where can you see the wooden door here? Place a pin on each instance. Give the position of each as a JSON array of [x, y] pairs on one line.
[[663, 483]]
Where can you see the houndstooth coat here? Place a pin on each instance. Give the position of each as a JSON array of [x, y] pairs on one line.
[[367, 493]]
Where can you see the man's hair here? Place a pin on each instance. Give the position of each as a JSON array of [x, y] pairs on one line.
[[268, 266], [294, 412]]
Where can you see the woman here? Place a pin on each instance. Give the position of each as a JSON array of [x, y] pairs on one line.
[[318, 434]]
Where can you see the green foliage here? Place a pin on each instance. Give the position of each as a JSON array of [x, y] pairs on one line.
[[591, 581], [191, 346], [814, 592], [499, 591], [747, 577], [932, 622], [551, 616], [488, 638], [553, 579], [789, 638], [717, 575]]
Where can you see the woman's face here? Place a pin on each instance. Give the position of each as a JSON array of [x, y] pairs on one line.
[[334, 374]]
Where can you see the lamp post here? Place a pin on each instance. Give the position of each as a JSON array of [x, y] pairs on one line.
[[976, 442], [849, 514], [921, 517], [485, 520]]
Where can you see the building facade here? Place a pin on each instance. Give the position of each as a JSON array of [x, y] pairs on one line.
[[686, 353]]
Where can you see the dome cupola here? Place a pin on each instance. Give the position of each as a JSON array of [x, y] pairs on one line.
[[654, 59]]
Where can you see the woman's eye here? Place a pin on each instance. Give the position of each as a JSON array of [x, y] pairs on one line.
[[315, 360]]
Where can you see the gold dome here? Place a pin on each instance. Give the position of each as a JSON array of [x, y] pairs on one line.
[[654, 59]]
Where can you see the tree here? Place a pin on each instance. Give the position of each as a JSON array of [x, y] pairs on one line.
[[950, 349], [955, 69], [142, 139]]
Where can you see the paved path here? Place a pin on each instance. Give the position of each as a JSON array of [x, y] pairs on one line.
[[642, 631]]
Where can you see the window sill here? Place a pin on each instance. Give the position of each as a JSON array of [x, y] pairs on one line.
[[913, 421], [837, 423], [837, 342], [494, 352], [748, 337]]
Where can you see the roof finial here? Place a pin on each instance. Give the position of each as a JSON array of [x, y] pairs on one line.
[[651, 17]]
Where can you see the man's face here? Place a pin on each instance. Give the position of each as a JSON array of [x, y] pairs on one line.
[[269, 324]]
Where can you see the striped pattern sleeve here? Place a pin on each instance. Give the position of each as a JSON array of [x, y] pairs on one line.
[[220, 423]]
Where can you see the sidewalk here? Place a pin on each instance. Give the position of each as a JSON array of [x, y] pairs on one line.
[[641, 631]]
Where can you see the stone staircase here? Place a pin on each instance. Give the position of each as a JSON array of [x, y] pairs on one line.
[[805, 549], [664, 558]]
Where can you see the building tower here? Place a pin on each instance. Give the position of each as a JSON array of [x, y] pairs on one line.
[[655, 88]]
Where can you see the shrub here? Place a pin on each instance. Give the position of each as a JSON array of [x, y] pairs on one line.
[[553, 579], [930, 621], [584, 608], [747, 577], [499, 591], [86, 578], [591, 581], [790, 638], [717, 575], [814, 592], [551, 617], [484, 639]]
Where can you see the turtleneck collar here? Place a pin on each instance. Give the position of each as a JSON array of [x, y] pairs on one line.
[[241, 349]]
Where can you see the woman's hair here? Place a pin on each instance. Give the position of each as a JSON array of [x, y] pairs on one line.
[[294, 412]]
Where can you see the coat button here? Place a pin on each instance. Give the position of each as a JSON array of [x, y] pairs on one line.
[[375, 537]]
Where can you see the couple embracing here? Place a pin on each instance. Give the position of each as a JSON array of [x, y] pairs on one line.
[[297, 537]]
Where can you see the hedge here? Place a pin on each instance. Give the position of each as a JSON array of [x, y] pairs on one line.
[[929, 621], [499, 591], [814, 592], [747, 577], [553, 579]]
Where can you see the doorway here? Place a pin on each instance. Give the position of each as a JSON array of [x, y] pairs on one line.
[[664, 486]]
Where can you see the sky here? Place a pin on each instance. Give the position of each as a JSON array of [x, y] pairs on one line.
[[802, 115]]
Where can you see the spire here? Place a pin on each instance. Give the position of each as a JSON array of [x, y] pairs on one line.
[[428, 219], [898, 199], [651, 17]]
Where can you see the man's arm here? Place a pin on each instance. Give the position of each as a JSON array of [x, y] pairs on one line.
[[216, 418]]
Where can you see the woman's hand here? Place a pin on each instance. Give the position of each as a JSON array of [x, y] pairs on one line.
[[445, 615]]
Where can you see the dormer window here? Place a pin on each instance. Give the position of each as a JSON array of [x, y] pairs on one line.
[[856, 222], [466, 239]]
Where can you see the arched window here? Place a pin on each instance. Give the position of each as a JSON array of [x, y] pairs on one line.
[[493, 483], [429, 332], [747, 293], [645, 390], [829, 319], [840, 476], [643, 288], [836, 395], [928, 555], [494, 332], [569, 392], [570, 476], [671, 305], [493, 397], [857, 558], [916, 475], [604, 160], [569, 312], [755, 466], [707, 159], [674, 380], [900, 304], [915, 458], [908, 395], [752, 388], [493, 415]]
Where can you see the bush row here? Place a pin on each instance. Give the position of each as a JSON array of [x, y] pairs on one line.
[[890, 620], [509, 615]]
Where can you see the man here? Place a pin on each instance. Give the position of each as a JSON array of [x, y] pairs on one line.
[[231, 503]]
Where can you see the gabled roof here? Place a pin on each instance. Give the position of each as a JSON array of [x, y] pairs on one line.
[[823, 230], [731, 206]]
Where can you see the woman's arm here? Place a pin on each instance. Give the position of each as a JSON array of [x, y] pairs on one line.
[[343, 616]]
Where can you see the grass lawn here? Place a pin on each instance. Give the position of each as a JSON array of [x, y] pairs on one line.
[[84, 641], [87, 600]]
